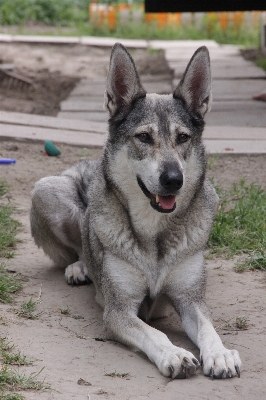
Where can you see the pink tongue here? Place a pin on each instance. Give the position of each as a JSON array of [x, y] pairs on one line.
[[167, 202]]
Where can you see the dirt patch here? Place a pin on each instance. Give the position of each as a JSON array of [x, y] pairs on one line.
[[54, 71], [251, 54], [43, 97], [229, 169]]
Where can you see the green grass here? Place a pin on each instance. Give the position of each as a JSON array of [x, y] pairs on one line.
[[8, 226], [27, 310], [9, 283], [49, 12], [10, 379], [8, 355], [242, 323], [240, 226], [117, 374], [12, 396], [3, 188], [261, 62], [141, 30]]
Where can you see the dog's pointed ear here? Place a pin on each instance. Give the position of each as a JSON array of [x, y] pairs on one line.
[[123, 84], [195, 86]]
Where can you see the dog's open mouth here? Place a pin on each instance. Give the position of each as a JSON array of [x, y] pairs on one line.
[[163, 204]]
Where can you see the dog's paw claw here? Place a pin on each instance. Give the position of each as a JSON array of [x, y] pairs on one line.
[[237, 370], [171, 370], [189, 368]]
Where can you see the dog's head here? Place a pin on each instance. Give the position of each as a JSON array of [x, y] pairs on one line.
[[154, 139]]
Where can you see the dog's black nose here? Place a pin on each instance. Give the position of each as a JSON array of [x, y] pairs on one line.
[[171, 178]]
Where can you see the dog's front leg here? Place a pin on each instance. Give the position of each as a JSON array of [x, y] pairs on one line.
[[124, 288], [217, 360], [189, 278]]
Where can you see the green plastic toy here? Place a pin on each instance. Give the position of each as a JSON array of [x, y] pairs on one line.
[[51, 149]]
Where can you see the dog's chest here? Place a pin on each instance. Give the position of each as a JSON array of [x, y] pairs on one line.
[[166, 254]]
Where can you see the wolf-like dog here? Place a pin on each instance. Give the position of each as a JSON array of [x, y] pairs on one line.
[[136, 222]]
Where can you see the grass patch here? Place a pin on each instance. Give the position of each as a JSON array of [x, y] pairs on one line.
[[9, 283], [12, 396], [242, 323], [261, 62], [8, 226], [73, 20], [10, 379], [11, 357], [27, 310], [141, 30], [117, 374], [65, 311], [240, 225], [3, 188], [255, 261]]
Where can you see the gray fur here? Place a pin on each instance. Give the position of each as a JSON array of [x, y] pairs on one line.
[[96, 218]]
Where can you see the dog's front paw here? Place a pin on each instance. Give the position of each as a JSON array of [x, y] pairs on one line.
[[178, 363], [77, 274], [221, 363]]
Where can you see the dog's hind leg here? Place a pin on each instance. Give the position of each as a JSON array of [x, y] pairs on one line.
[[56, 217]]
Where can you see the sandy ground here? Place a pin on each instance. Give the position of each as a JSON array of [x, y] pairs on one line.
[[65, 345], [55, 69]]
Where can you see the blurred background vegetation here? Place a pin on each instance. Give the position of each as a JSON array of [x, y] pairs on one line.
[[127, 20]]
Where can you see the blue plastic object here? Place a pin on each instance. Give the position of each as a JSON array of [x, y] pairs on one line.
[[7, 161]]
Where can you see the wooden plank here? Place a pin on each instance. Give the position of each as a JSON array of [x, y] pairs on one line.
[[81, 104], [109, 42], [179, 54], [158, 87], [227, 89], [234, 133], [85, 115], [234, 90], [175, 44], [246, 71], [236, 113], [52, 122], [77, 138], [89, 90], [235, 146]]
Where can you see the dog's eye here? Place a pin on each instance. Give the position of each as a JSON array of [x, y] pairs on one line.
[[144, 137], [182, 138]]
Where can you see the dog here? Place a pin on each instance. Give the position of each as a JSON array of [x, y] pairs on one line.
[[136, 222]]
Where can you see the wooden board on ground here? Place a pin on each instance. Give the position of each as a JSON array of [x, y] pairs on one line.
[[14, 118], [82, 104], [85, 115], [77, 138]]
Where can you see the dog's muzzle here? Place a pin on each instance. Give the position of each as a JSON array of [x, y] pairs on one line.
[[163, 204]]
